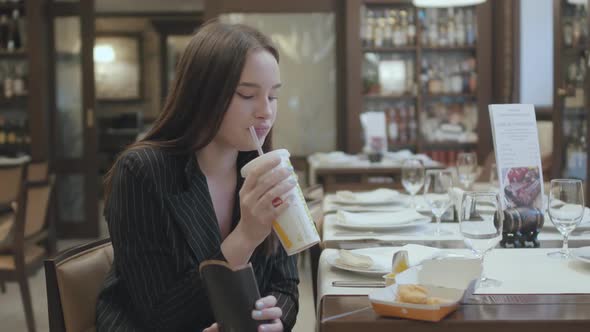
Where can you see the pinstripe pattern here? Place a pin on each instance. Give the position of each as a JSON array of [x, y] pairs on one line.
[[162, 225]]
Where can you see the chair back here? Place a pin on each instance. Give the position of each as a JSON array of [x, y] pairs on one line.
[[38, 196], [38, 171], [11, 178], [74, 279]]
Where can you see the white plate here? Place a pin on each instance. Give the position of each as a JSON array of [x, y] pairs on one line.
[[581, 254], [414, 223], [381, 260]]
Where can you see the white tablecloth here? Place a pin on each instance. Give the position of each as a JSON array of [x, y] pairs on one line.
[[521, 271]]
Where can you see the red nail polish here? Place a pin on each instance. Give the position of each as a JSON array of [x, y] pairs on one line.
[[277, 201]]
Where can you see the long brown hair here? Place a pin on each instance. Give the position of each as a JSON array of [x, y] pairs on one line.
[[206, 78]]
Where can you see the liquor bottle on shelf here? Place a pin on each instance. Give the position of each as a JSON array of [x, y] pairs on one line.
[[460, 28], [388, 29], [576, 155], [14, 35], [403, 129], [393, 127], [369, 28], [8, 85], [432, 24], [470, 27], [412, 124], [4, 32], [378, 32], [18, 82], [451, 31], [411, 28]]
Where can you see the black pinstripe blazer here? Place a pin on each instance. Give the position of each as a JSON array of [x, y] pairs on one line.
[[162, 225]]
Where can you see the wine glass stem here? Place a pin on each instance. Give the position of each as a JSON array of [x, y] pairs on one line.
[[437, 231], [483, 267], [413, 201], [565, 248]]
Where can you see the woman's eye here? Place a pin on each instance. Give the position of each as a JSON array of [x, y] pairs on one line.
[[244, 96], [271, 98]]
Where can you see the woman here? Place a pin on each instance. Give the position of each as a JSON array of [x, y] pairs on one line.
[[176, 198]]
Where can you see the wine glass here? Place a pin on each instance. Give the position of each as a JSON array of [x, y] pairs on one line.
[[412, 178], [467, 168], [566, 209], [480, 222], [436, 194]]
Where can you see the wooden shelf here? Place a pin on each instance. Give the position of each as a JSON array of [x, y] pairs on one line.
[[17, 101], [21, 53], [574, 51], [447, 145], [12, 5], [449, 48], [389, 49], [450, 95], [389, 97]]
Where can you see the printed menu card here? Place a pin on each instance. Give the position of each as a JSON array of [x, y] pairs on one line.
[[518, 157]]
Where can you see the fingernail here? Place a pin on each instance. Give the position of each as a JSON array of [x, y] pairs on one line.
[[257, 313], [292, 180], [259, 305], [277, 201]]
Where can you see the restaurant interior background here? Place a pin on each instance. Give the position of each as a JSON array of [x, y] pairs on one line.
[[81, 79]]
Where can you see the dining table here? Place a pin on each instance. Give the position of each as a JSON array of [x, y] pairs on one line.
[[537, 293]]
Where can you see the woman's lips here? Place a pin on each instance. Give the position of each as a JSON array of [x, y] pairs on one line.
[[262, 131]]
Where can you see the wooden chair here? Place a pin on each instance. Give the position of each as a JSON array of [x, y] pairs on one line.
[[22, 254], [74, 279], [11, 178]]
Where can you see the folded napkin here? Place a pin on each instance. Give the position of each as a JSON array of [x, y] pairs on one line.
[[419, 253], [457, 197], [379, 218], [378, 195], [355, 260]]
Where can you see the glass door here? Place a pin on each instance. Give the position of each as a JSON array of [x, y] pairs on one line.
[[74, 131]]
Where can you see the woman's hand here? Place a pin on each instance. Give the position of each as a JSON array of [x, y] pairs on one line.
[[213, 328], [260, 202], [266, 310]]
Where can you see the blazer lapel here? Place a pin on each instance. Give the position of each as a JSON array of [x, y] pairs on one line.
[[193, 211]]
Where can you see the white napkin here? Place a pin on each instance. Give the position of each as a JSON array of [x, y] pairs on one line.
[[457, 197], [419, 253], [379, 218], [378, 195], [355, 260]]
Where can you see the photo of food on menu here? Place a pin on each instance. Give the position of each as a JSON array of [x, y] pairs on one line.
[[522, 187]]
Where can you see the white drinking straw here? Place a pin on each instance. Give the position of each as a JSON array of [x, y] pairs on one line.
[[256, 141]]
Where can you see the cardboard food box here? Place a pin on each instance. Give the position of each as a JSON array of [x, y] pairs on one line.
[[444, 278]]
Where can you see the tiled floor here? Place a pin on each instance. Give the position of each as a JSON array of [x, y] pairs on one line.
[[12, 317]]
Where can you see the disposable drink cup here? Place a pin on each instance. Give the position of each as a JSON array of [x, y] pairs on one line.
[[294, 227]]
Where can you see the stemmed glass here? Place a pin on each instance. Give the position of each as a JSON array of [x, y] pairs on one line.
[[480, 222], [412, 178], [467, 168], [436, 194], [566, 209]]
